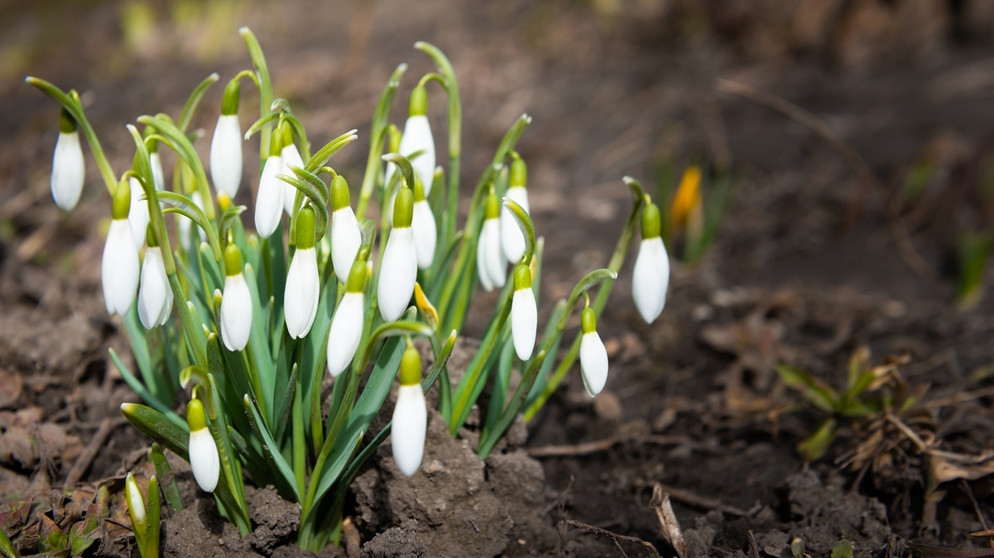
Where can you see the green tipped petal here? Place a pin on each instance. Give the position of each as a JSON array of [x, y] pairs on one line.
[[357, 277], [410, 367], [519, 173], [403, 209], [195, 416], [522, 277], [419, 102], [232, 260], [122, 200], [340, 197], [588, 320], [493, 207], [305, 228], [651, 221]]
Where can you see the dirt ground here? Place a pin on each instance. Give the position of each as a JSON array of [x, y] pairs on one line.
[[823, 109]]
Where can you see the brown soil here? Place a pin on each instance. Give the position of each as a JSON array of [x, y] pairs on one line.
[[815, 260]]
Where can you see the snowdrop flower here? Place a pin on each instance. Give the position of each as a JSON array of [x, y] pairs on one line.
[[303, 284], [417, 136], [226, 147], [136, 504], [155, 163], [269, 200], [346, 236], [291, 158], [346, 324], [138, 215], [410, 416], [68, 170], [489, 260], [425, 228], [524, 313], [236, 302], [119, 268], [204, 459], [593, 355], [651, 275], [399, 269], [512, 240], [155, 297]]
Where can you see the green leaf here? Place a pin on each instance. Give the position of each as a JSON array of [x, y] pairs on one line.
[[7, 549], [271, 448], [165, 472], [194, 100], [158, 427], [842, 549], [814, 391], [814, 446]]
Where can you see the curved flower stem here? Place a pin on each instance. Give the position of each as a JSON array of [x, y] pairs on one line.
[[70, 102], [191, 103], [184, 148], [455, 132], [617, 259], [377, 133], [264, 83]]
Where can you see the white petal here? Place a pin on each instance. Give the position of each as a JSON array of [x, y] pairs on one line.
[[489, 260], [236, 312], [345, 332], [68, 171], [524, 322], [398, 273], [158, 175], [407, 435], [204, 460], [651, 278], [425, 233], [269, 201], [300, 300], [138, 214], [119, 268], [291, 158], [593, 362], [155, 298], [226, 155], [417, 137], [512, 240], [346, 238]]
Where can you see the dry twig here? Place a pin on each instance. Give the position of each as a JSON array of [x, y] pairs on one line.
[[614, 536]]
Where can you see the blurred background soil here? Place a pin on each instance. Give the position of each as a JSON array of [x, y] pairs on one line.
[[823, 110]]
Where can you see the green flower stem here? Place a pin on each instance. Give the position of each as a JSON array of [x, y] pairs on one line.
[[527, 228], [191, 103], [492, 435], [617, 259], [264, 83], [70, 102], [377, 136], [158, 223], [299, 442], [178, 141], [476, 374], [455, 132]]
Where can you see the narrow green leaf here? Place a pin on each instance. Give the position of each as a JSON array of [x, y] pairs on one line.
[[814, 391], [271, 448], [165, 472], [814, 446], [156, 426]]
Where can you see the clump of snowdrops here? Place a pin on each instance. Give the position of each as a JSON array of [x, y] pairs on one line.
[[240, 327]]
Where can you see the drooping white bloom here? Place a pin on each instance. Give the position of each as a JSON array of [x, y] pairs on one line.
[[489, 259], [593, 355], [204, 459], [407, 438], [303, 283], [303, 289], [138, 215], [524, 313], [512, 240], [119, 268], [651, 276], [291, 159], [155, 297], [346, 325], [269, 201], [346, 236], [226, 155], [68, 170], [236, 302], [410, 416], [158, 175], [399, 270], [418, 137], [425, 232]]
